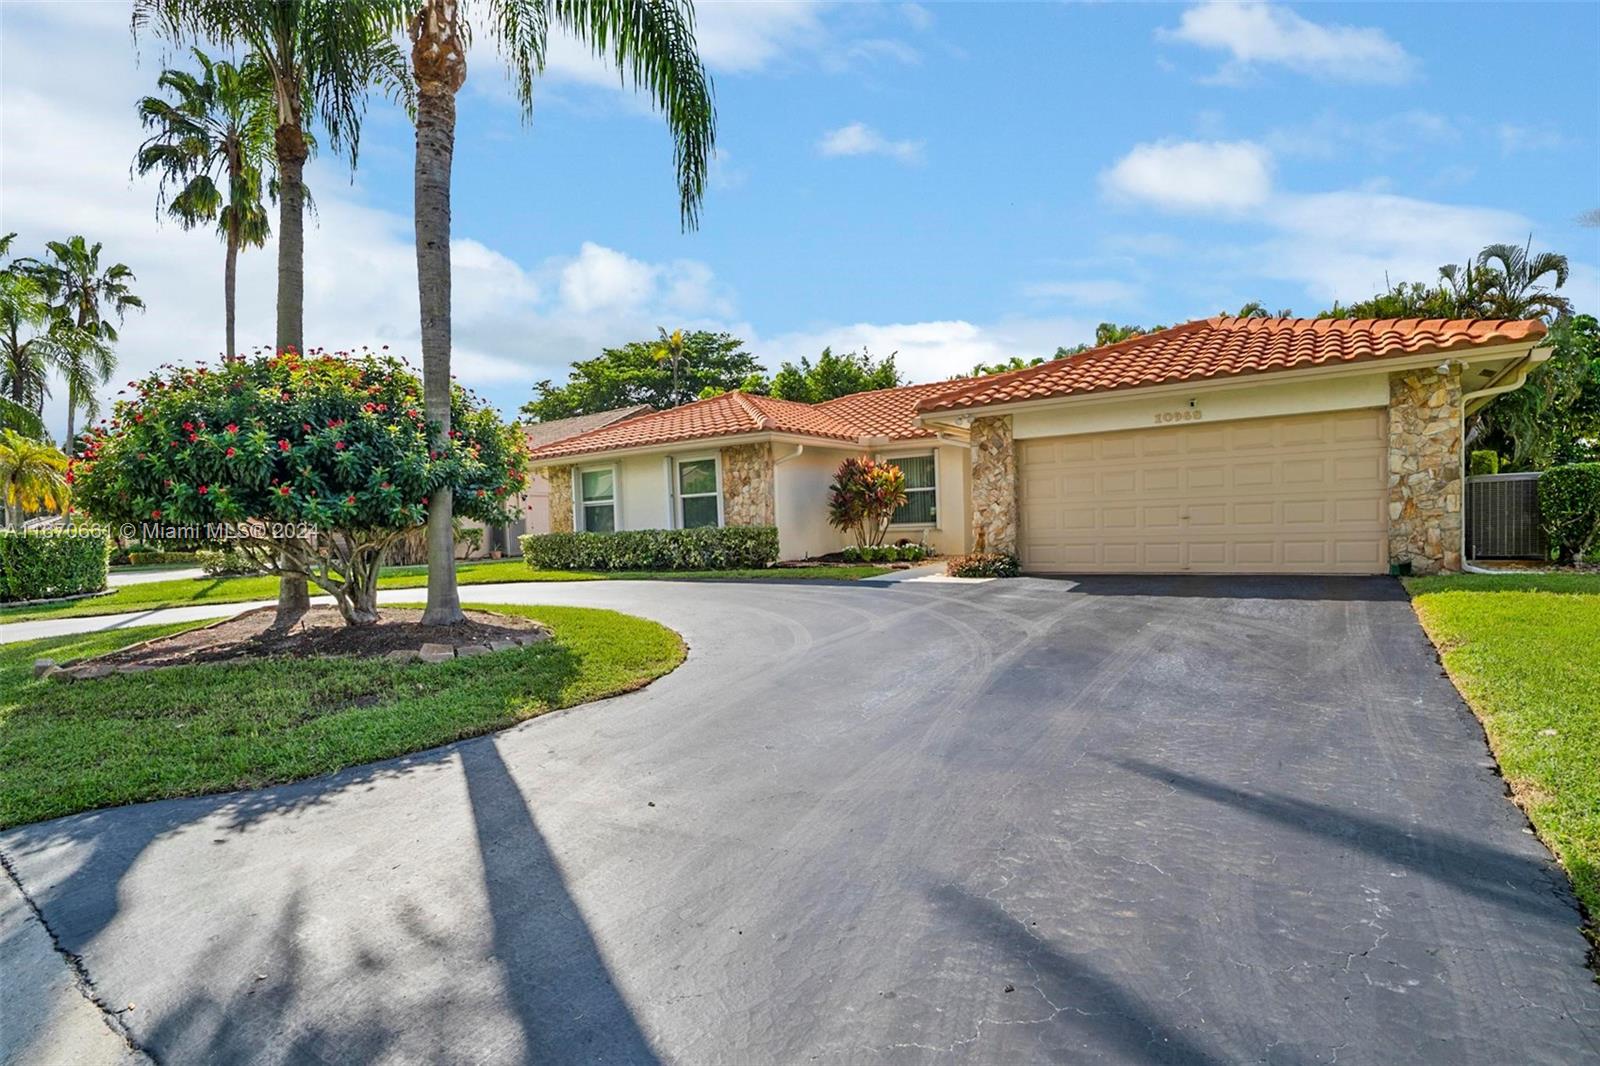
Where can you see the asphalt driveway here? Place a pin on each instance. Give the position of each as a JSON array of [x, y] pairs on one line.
[[1145, 820]]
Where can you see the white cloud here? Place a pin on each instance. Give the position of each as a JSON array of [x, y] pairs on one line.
[[1261, 34], [918, 16], [1348, 245], [1095, 292], [603, 279], [861, 139], [932, 351], [1516, 139], [1192, 175]]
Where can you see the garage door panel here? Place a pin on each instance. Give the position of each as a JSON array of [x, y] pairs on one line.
[[1297, 494]]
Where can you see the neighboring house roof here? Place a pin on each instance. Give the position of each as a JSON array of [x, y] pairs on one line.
[[1225, 346], [539, 434]]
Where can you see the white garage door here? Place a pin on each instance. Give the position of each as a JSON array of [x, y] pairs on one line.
[[1300, 494]]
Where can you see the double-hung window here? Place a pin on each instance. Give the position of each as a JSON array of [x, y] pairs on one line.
[[699, 501], [922, 490], [597, 500]]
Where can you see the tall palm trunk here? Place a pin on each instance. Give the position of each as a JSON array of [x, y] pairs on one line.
[[230, 277], [439, 63], [71, 446], [294, 598]]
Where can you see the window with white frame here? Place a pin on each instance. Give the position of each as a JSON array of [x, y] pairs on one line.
[[922, 490], [597, 500], [699, 501]]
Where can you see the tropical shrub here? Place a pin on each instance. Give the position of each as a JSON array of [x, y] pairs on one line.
[[309, 465], [40, 565], [1483, 461], [863, 498], [1569, 508], [983, 564], [708, 548]]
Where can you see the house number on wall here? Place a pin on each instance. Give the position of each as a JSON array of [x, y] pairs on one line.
[[1188, 414]]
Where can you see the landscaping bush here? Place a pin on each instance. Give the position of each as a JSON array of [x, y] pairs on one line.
[[1483, 461], [160, 558], [983, 564], [36, 566], [220, 561], [1569, 508], [862, 500], [728, 548], [312, 465]]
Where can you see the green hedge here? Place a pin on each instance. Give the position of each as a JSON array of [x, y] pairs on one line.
[[1569, 508], [730, 548], [160, 558], [43, 565], [1483, 461]]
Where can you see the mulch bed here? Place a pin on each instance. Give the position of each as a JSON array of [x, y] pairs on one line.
[[320, 632]]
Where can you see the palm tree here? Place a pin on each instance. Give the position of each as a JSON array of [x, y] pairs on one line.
[[35, 340], [1514, 287], [652, 43], [34, 476], [24, 309], [85, 295], [322, 57], [215, 135], [670, 350]]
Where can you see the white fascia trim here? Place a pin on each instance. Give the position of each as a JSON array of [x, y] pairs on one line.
[[942, 419]]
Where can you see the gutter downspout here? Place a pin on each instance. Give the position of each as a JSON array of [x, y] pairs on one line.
[[1510, 379], [799, 450]]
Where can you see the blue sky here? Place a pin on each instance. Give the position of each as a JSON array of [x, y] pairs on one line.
[[953, 181]]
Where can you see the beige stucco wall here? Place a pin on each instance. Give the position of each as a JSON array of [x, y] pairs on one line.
[[1425, 474], [747, 486], [994, 485], [801, 505]]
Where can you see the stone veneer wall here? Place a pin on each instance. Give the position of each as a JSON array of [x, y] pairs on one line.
[[1425, 480], [748, 498], [994, 485], [560, 478]]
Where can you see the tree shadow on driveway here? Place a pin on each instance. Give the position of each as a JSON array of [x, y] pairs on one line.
[[1492, 874], [565, 1001]]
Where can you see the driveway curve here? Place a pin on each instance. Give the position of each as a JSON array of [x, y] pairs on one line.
[[1114, 819]]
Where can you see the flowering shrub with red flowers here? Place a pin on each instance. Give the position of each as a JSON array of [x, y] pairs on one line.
[[271, 446], [863, 498]]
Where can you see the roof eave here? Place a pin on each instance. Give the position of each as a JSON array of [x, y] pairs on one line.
[[1385, 364], [719, 440]]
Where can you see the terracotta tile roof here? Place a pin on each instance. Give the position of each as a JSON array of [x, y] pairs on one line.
[[719, 416], [1224, 346], [889, 412], [539, 434]]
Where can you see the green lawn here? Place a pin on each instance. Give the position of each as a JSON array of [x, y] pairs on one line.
[[1525, 652], [183, 592], [191, 730]]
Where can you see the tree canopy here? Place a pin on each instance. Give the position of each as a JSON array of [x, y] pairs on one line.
[[1555, 417], [832, 376], [633, 374], [275, 444]]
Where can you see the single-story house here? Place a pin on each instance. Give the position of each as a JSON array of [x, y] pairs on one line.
[[1224, 445], [534, 500]]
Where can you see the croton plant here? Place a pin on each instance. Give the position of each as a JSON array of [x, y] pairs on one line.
[[311, 464]]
